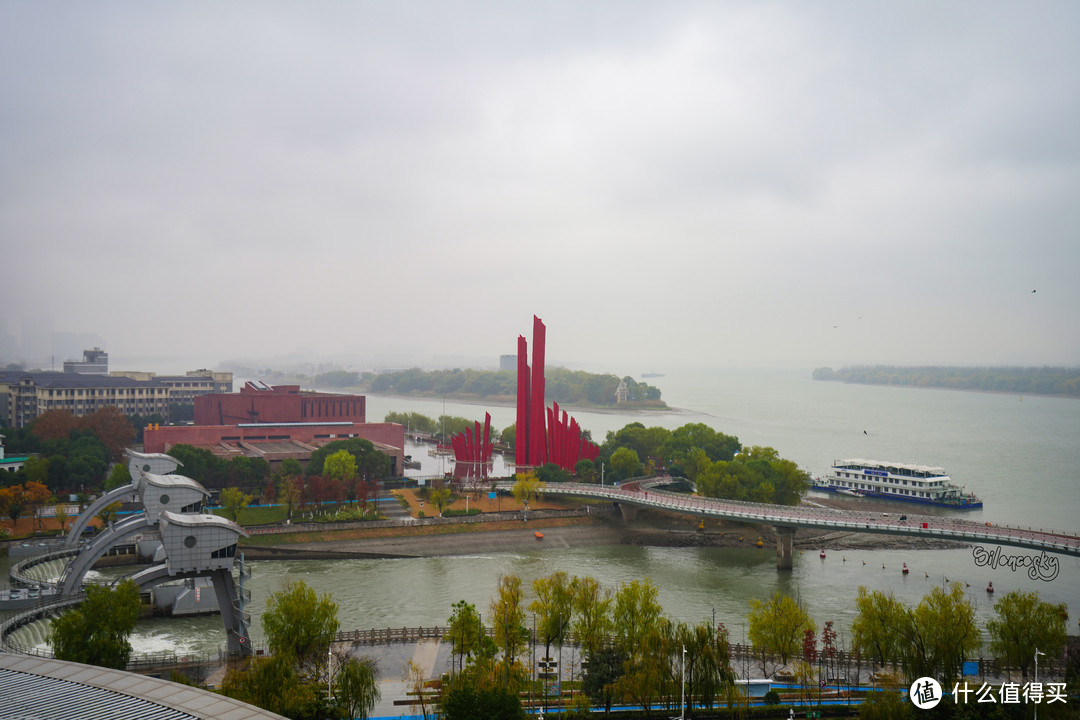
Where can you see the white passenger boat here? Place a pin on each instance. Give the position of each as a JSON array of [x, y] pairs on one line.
[[896, 481]]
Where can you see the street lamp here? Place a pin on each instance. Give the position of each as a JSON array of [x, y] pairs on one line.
[[1037, 654], [682, 670]]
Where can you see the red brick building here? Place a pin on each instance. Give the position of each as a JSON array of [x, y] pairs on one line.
[[258, 402], [276, 423]]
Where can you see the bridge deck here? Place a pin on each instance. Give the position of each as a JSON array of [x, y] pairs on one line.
[[643, 494]]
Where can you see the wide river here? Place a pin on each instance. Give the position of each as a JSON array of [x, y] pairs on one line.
[[1019, 454]]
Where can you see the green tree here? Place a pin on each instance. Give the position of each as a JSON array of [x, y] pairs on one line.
[[356, 688], [626, 463], [414, 422], [200, 465], [464, 632], [585, 470], [639, 627], [300, 625], [707, 662], [527, 487], [371, 464], [440, 498], [96, 632], [592, 614], [1023, 624], [119, 475], [877, 627], [233, 502], [553, 606], [606, 665], [940, 632], [508, 624], [509, 436], [273, 684], [699, 436], [777, 625], [341, 466], [37, 469]]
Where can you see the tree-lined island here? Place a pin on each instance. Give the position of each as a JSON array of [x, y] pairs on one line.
[[1022, 380], [566, 387]]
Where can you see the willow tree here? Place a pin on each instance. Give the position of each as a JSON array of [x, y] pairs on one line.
[[301, 625], [508, 625], [708, 662], [1023, 624], [554, 606], [877, 628], [777, 625], [639, 630], [940, 632]]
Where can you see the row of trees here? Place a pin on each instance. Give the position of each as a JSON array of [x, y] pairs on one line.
[[631, 648], [571, 387], [69, 453], [715, 461], [1024, 380], [443, 427], [933, 638]]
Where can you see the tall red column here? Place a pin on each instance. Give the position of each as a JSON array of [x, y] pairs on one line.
[[538, 445], [522, 439]]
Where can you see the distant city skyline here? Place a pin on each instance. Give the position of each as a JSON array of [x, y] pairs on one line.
[[739, 184]]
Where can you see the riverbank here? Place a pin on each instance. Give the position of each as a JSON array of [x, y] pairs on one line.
[[651, 529], [511, 401]]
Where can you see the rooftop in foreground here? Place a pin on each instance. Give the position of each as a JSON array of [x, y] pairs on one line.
[[48, 689]]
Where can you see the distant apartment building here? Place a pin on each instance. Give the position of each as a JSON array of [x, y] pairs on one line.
[[94, 362], [25, 396], [187, 387]]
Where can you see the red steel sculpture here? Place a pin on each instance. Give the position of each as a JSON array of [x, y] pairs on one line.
[[542, 436]]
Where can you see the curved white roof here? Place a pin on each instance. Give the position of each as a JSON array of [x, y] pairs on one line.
[[171, 481], [197, 520]]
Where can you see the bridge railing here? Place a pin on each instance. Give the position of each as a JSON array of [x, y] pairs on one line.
[[644, 494]]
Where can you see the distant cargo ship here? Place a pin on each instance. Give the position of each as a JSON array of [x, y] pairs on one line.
[[896, 481], [652, 374]]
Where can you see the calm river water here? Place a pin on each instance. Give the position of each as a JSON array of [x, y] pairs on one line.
[[1019, 454]]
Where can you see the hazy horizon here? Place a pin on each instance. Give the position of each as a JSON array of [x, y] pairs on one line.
[[684, 184]]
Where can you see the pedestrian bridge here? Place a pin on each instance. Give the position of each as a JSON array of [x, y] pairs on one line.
[[644, 493]]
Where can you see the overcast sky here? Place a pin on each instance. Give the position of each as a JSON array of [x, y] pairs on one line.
[[670, 183]]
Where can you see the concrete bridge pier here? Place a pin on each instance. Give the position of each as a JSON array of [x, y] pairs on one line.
[[628, 512], [784, 552]]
